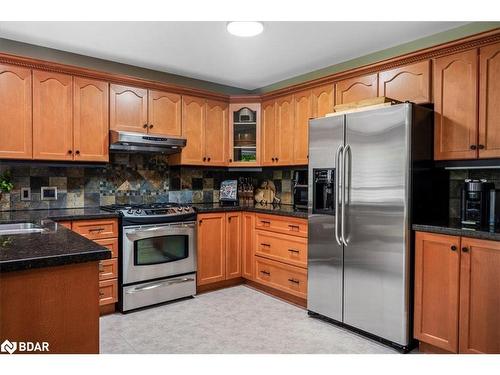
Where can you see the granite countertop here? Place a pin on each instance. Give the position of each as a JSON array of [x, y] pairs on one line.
[[282, 210], [56, 245], [56, 214], [455, 228]]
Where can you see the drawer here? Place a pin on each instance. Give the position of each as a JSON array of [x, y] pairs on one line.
[[281, 224], [108, 269], [281, 247], [281, 276], [95, 229], [111, 244], [108, 292]]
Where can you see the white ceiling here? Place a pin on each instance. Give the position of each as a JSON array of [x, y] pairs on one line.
[[205, 50]]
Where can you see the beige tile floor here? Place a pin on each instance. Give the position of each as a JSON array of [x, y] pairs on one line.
[[232, 320]]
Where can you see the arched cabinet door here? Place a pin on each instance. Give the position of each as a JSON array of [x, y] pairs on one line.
[[216, 127], [193, 129], [489, 101], [52, 116], [128, 108], [90, 119], [455, 106], [356, 89], [407, 83], [164, 113], [15, 108]]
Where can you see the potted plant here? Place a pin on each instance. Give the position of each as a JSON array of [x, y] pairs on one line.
[[6, 184]]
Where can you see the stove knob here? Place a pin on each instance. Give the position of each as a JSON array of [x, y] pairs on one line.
[[179, 209], [138, 211], [130, 211], [187, 208]]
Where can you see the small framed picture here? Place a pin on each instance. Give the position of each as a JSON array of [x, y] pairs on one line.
[[48, 193], [25, 194]]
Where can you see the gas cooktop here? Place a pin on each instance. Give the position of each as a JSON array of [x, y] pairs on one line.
[[150, 210]]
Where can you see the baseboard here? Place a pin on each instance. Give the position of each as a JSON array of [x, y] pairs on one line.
[[423, 347], [219, 285], [107, 309], [290, 298]]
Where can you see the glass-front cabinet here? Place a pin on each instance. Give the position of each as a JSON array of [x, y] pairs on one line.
[[244, 134]]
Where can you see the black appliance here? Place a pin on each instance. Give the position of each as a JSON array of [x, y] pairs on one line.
[[478, 201], [300, 189], [323, 191]]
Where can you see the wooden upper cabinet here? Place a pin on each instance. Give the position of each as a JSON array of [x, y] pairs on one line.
[[233, 245], [193, 129], [437, 260], [355, 89], [455, 106], [15, 113], [128, 108], [216, 130], [489, 101], [410, 82], [164, 113], [247, 245], [211, 259], [285, 121], [302, 113], [90, 119], [479, 296], [268, 133], [322, 100], [52, 116]]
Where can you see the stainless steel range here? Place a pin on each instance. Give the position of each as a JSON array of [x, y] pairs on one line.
[[157, 253]]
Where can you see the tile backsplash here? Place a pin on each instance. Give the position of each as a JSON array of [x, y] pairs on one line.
[[457, 178], [129, 178]]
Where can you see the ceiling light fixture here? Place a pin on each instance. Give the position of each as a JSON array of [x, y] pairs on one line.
[[245, 28]]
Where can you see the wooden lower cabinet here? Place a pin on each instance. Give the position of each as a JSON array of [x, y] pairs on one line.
[[105, 233], [211, 250], [233, 245], [281, 276], [281, 247], [457, 293]]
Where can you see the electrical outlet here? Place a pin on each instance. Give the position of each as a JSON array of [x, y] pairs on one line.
[[25, 194]]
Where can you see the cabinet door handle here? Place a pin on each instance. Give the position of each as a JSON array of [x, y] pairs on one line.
[[272, 159], [70, 152], [453, 248], [145, 126], [266, 273], [293, 251], [277, 159], [473, 147], [199, 223], [481, 147], [465, 249], [204, 159], [295, 281], [77, 152], [230, 160], [208, 159], [151, 126]]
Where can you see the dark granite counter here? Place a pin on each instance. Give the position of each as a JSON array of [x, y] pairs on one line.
[[55, 215], [55, 246], [282, 210], [455, 228]]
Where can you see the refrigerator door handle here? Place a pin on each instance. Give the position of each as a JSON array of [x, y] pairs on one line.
[[346, 155], [338, 187]]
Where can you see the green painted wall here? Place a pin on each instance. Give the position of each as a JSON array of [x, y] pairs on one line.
[[43, 53], [49, 54], [443, 37]]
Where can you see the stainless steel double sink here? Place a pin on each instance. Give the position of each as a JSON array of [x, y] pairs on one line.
[[20, 228]]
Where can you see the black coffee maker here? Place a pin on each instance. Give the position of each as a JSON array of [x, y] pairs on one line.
[[478, 203]]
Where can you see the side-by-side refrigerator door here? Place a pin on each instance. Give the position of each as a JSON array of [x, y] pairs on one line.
[[376, 257], [326, 141]]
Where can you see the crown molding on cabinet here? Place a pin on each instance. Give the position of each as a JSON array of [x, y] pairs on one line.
[[122, 79]]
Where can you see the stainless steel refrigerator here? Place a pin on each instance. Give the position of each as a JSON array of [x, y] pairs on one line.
[[364, 169]]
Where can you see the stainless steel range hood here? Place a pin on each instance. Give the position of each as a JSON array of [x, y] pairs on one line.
[[121, 141]]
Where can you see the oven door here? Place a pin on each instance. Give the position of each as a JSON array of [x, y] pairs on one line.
[[158, 251]]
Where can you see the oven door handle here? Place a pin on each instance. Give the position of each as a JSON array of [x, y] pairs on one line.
[[157, 285], [150, 232]]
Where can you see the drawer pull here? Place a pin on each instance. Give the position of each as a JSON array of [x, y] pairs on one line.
[[294, 251], [266, 273], [265, 245], [293, 227], [295, 281], [96, 229], [101, 294], [264, 222]]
